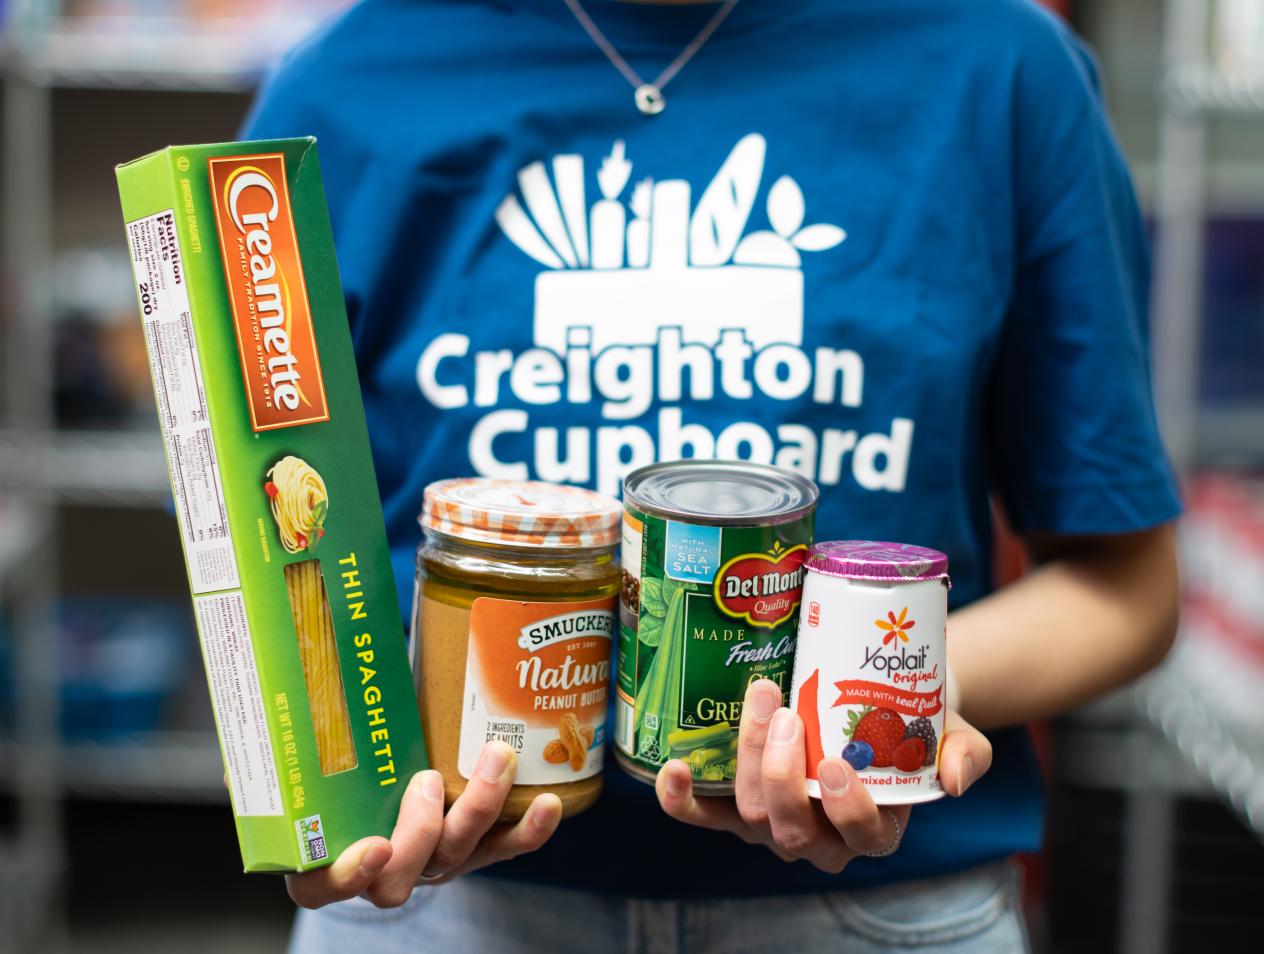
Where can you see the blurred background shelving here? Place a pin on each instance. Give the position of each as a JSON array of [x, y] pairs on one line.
[[103, 709], [1135, 780], [1185, 82]]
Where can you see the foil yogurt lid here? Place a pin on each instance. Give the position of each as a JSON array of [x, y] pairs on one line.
[[874, 560]]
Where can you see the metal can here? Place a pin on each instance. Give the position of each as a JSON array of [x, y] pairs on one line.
[[712, 556], [869, 672]]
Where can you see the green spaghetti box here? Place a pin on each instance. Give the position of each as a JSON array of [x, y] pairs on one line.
[[275, 495]]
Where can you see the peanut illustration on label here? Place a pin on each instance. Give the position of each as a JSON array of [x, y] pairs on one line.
[[555, 752], [571, 745], [573, 739]]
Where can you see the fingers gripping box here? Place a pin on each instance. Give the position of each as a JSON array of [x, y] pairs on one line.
[[274, 492]]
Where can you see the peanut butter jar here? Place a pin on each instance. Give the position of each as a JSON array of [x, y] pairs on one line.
[[513, 622]]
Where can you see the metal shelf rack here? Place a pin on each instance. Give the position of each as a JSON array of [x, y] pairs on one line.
[[163, 765], [165, 55], [124, 468], [1176, 704], [1196, 89], [43, 468], [1216, 723]]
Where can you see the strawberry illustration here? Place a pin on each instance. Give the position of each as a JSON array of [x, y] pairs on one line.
[[909, 754], [882, 728]]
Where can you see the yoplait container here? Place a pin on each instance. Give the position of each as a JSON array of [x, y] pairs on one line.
[[869, 673]]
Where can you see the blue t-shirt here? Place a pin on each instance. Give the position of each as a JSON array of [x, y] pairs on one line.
[[890, 244]]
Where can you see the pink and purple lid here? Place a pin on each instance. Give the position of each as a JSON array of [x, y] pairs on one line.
[[873, 560]]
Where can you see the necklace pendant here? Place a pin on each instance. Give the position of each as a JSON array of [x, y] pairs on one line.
[[649, 99]]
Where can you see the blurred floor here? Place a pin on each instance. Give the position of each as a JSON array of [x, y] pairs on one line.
[[210, 939], [1217, 870]]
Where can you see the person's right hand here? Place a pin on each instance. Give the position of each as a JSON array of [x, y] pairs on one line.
[[428, 848]]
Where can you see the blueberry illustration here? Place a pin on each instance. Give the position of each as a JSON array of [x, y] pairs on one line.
[[859, 755]]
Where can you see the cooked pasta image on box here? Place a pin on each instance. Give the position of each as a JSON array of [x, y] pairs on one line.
[[275, 496], [300, 503]]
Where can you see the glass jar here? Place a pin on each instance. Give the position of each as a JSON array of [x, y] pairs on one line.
[[513, 622]]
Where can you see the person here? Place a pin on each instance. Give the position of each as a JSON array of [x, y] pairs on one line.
[[890, 244]]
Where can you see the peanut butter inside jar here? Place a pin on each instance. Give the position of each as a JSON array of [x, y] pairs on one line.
[[514, 622]]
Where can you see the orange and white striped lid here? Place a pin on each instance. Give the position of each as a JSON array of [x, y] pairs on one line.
[[523, 513]]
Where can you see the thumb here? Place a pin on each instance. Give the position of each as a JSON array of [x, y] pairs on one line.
[[964, 755], [351, 873]]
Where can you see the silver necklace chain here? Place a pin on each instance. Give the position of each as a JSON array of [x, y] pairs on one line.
[[649, 96]]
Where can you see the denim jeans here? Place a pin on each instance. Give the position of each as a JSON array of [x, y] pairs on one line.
[[977, 911]]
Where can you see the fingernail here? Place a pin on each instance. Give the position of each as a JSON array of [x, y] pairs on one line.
[[764, 701], [432, 786], [542, 814], [782, 729], [833, 777], [966, 779], [494, 762], [676, 786], [374, 860]]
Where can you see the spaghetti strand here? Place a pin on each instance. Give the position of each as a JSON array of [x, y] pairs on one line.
[[318, 652]]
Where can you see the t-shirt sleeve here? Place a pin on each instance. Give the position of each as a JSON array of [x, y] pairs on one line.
[[1073, 442]]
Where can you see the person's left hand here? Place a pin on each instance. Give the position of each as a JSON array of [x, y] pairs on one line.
[[772, 806]]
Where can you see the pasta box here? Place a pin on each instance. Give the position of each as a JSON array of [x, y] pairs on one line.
[[275, 496]]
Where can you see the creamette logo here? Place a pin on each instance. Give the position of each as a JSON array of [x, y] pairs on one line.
[[272, 316]]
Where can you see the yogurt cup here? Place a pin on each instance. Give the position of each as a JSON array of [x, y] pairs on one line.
[[869, 671]]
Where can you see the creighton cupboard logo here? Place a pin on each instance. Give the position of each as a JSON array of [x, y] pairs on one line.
[[272, 316], [652, 294]]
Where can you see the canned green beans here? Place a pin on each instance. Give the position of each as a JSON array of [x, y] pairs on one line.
[[712, 558]]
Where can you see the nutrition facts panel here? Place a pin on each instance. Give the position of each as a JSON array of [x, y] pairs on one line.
[[238, 701], [186, 430]]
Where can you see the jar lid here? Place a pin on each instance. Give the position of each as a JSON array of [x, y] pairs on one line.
[[520, 513], [872, 560]]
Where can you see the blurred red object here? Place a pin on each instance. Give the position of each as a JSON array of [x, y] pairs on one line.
[[1222, 564]]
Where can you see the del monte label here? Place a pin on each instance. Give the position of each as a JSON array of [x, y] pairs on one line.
[[762, 588], [709, 604]]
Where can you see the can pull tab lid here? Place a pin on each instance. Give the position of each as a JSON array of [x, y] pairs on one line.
[[875, 560]]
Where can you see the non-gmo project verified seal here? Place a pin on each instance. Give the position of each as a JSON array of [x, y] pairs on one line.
[[311, 838]]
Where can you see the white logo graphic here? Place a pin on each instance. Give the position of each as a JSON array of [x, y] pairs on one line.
[[661, 299], [625, 277]]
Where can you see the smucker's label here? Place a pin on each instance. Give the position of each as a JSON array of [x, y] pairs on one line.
[[705, 611], [537, 678]]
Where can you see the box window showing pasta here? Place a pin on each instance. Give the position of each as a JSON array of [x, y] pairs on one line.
[[314, 626], [275, 495]]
